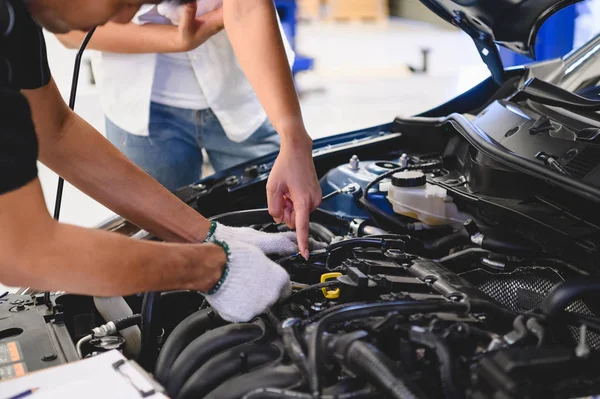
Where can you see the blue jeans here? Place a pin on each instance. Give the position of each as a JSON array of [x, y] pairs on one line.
[[172, 153]]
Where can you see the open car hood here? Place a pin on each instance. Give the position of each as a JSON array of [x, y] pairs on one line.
[[513, 24]]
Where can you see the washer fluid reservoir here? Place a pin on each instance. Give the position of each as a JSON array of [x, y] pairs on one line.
[[411, 195]]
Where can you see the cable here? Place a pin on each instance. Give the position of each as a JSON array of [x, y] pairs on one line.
[[74, 84], [61, 181]]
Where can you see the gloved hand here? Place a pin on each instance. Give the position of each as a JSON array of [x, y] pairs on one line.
[[251, 283], [281, 244]]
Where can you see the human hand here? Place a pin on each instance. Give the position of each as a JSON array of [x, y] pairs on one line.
[[293, 190], [281, 244], [195, 30], [251, 283]]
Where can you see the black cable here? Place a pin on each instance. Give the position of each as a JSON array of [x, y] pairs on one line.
[[151, 329], [61, 181], [74, 84], [304, 291], [425, 165]]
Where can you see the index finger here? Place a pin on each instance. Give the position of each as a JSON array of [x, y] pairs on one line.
[[302, 220]]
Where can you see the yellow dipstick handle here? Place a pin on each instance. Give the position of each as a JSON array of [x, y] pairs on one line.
[[333, 294]]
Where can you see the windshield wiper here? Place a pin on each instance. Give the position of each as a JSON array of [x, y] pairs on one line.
[[549, 94]]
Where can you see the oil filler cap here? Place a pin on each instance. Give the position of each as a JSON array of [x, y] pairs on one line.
[[409, 179]]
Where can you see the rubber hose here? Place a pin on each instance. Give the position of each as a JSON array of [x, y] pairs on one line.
[[321, 232], [205, 347], [367, 230], [127, 322], [277, 377], [563, 294], [442, 246], [367, 310], [226, 365], [113, 308], [188, 330], [151, 329], [380, 370]]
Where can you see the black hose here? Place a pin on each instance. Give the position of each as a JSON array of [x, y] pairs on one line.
[[321, 232], [188, 330], [357, 242], [151, 329], [392, 219], [370, 363], [205, 347], [442, 246], [275, 393], [361, 311], [277, 377], [367, 230], [128, 321], [226, 365], [566, 292], [445, 359]]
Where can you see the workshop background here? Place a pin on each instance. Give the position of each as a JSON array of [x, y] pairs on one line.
[[360, 63]]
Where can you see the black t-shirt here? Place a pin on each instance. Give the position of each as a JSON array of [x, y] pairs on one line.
[[23, 65]]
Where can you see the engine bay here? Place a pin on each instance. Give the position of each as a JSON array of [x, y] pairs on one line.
[[395, 307]]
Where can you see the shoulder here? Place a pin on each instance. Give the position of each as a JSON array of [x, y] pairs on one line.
[[23, 51]]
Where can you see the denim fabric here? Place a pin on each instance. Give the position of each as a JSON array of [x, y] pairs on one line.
[[172, 153]]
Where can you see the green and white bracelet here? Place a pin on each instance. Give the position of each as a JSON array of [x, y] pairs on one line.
[[221, 281], [211, 231]]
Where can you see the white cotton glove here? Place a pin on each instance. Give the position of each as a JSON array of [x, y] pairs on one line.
[[173, 12], [281, 244], [251, 283]]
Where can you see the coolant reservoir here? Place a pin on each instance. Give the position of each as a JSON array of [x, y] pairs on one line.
[[411, 195]]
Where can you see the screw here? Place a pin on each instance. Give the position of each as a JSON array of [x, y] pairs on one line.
[[481, 317], [354, 163], [429, 280], [455, 298], [20, 308]]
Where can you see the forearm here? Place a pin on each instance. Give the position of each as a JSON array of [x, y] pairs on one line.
[[127, 38], [88, 161], [93, 262], [38, 252], [253, 31]]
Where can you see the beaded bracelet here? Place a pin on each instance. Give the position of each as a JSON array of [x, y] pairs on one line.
[[221, 281], [211, 231]]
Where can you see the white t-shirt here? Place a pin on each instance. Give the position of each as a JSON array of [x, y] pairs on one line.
[[175, 83], [126, 81]]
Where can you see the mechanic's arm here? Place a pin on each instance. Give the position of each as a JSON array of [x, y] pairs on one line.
[[38, 252], [76, 151], [131, 38], [293, 190]]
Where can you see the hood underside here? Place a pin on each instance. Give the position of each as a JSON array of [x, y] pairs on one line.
[[513, 24]]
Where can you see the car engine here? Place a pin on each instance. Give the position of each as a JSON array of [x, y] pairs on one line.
[[458, 307]]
